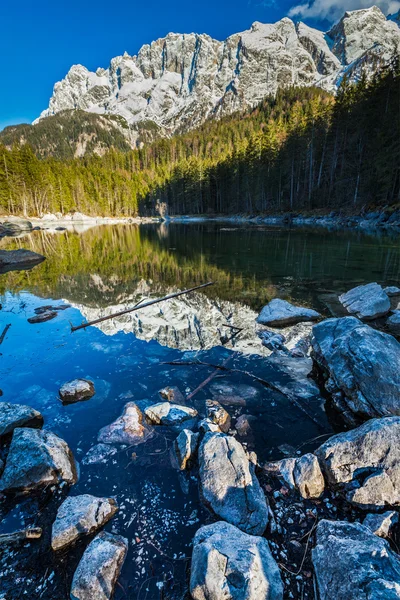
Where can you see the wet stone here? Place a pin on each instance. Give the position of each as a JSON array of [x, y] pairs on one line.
[[366, 302]]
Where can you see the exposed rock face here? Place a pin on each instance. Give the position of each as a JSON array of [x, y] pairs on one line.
[[228, 563], [37, 458], [279, 313], [99, 568], [365, 463], [362, 366], [76, 390], [78, 516], [129, 428], [351, 563], [18, 259], [308, 477], [18, 415], [381, 524], [218, 415], [165, 413], [185, 448], [177, 82], [228, 484], [366, 302]]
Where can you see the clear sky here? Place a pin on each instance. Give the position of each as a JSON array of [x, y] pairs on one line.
[[41, 39]]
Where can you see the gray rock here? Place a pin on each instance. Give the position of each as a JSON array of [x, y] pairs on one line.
[[79, 516], [272, 340], [351, 563], [392, 291], [243, 425], [228, 484], [37, 458], [393, 323], [18, 415], [366, 301], [48, 315], [76, 390], [99, 454], [362, 366], [185, 447], [99, 568], [218, 415], [207, 426], [129, 428], [382, 524], [279, 313], [14, 259], [365, 463], [228, 564], [308, 477], [164, 413]]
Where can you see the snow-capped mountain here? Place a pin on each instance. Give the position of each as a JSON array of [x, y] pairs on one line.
[[177, 82]]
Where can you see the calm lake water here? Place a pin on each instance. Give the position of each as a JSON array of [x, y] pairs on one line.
[[108, 268]]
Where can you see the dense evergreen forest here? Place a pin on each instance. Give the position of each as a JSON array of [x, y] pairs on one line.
[[300, 151]]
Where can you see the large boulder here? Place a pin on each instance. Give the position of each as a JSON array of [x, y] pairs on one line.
[[129, 428], [37, 458], [164, 413], [362, 367], [18, 415], [280, 313], [78, 516], [365, 463], [366, 301], [351, 563], [18, 259], [76, 390], [228, 484], [230, 564], [99, 568]]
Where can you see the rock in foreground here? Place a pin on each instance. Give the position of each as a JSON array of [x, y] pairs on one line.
[[18, 259], [365, 463], [78, 516], [230, 564], [228, 484], [129, 428], [280, 313], [37, 458], [362, 367], [76, 390], [165, 413], [99, 568], [366, 302], [18, 415], [351, 563]]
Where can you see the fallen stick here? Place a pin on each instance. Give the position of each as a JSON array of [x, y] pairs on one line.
[[33, 533], [3, 335], [139, 306], [209, 378]]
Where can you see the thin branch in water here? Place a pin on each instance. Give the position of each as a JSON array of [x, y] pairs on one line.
[[3, 335]]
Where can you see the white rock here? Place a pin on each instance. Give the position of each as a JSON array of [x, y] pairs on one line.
[[280, 313], [76, 390], [129, 428]]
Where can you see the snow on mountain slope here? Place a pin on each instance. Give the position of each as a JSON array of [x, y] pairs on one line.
[[177, 82]]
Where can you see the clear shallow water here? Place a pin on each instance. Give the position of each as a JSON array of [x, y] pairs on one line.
[[105, 267]]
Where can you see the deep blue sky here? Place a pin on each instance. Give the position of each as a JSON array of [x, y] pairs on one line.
[[41, 39]]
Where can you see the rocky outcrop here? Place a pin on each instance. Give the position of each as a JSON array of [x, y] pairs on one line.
[[361, 366], [351, 563], [228, 563], [164, 413], [365, 463], [185, 448], [76, 390], [79, 516], [99, 568], [279, 313], [382, 524], [129, 428], [366, 302], [18, 415], [36, 459], [12, 260], [228, 484]]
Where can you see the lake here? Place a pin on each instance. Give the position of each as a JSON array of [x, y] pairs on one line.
[[104, 269]]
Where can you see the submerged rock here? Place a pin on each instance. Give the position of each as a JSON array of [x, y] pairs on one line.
[[99, 454], [172, 394], [218, 415], [382, 524], [366, 301], [185, 447], [76, 390], [18, 415], [78, 516], [228, 484], [279, 313], [164, 413], [362, 366], [351, 563], [14, 259], [230, 564], [244, 424], [42, 317], [365, 463], [37, 458], [129, 428], [99, 568]]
